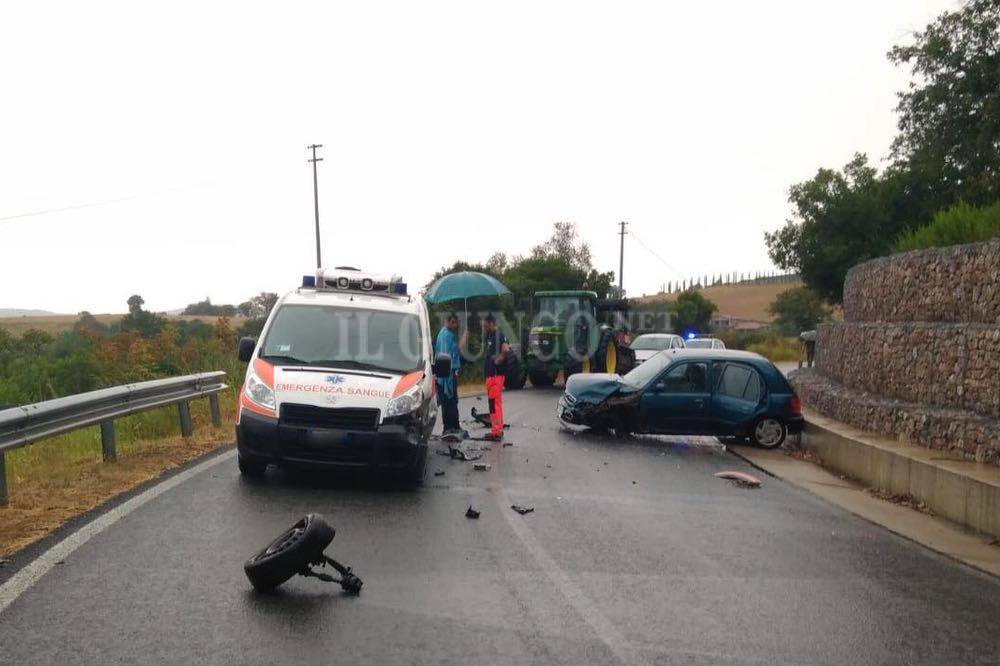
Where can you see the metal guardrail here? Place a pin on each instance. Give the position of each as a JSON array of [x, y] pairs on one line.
[[21, 426]]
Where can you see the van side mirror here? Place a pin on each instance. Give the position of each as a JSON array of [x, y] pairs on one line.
[[245, 351], [442, 366]]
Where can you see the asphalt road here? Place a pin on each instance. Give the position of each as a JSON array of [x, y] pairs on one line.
[[635, 553]]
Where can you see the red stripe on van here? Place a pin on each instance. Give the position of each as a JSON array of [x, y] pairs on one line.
[[407, 382]]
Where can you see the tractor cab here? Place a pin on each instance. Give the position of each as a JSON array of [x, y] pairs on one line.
[[575, 331]]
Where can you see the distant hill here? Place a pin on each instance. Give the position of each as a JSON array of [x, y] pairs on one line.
[[742, 301], [56, 323], [15, 312]]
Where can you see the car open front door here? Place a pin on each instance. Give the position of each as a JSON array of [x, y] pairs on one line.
[[678, 401]]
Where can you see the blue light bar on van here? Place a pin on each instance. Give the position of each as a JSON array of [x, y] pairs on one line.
[[399, 288], [308, 280]]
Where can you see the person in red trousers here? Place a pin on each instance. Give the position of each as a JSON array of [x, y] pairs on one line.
[[497, 352]]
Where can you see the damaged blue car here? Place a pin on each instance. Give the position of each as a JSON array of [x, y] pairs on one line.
[[688, 392]]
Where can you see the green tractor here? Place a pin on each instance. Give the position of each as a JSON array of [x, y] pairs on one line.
[[575, 331]]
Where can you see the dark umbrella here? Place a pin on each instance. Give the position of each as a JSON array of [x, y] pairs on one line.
[[464, 285]]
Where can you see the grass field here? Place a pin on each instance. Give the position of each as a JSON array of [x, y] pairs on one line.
[[54, 324], [744, 301], [59, 478]]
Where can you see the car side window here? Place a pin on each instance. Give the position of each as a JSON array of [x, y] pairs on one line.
[[686, 378], [717, 368], [753, 389], [734, 381]]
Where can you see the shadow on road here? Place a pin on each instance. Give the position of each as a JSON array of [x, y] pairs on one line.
[[300, 478]]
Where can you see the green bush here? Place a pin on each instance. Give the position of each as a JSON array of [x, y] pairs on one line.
[[796, 310], [959, 224], [777, 348], [769, 343]]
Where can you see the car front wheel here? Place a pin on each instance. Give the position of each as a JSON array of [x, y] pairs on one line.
[[768, 432]]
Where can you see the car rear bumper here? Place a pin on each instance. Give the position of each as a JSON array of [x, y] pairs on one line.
[[390, 447]]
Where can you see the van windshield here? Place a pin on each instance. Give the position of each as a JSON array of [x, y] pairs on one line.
[[344, 337]]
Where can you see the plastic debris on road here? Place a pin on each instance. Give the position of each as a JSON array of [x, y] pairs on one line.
[[471, 513], [741, 479], [522, 509], [458, 454], [440, 472], [482, 467]]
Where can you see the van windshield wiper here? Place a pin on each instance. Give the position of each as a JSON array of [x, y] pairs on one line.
[[291, 360], [349, 363]]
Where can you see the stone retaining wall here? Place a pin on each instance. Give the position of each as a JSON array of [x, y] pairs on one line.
[[941, 365], [918, 355], [958, 284], [969, 436]]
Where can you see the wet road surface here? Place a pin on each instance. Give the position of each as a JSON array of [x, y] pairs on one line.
[[635, 553]]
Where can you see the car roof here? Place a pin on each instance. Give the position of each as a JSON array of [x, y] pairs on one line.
[[657, 335], [714, 355], [361, 301]]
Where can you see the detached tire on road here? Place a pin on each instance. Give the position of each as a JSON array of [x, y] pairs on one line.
[[299, 546]]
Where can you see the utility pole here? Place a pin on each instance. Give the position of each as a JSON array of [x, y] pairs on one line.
[[621, 260], [319, 261]]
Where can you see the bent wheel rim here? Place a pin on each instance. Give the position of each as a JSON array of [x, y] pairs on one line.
[[768, 432]]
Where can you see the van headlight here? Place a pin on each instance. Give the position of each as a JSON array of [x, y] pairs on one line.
[[405, 403], [258, 391]]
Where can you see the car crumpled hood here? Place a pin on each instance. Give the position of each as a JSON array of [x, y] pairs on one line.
[[597, 386]]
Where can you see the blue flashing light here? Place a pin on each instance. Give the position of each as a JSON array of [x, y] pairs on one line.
[[308, 280], [399, 288], [690, 335]]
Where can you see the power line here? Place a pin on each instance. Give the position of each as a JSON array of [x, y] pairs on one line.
[[655, 254], [93, 204]]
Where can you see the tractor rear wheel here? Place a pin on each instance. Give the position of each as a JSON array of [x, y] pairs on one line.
[[542, 378], [607, 355]]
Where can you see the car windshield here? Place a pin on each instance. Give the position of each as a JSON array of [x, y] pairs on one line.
[[699, 343], [644, 372], [651, 343], [344, 337]]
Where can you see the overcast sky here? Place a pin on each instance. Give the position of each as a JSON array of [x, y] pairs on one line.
[[451, 130]]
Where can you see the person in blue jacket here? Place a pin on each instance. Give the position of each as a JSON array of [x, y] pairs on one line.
[[447, 388]]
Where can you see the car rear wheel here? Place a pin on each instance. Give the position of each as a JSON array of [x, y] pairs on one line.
[[768, 432]]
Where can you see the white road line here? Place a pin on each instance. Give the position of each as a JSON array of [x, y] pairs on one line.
[[606, 632], [31, 573]]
